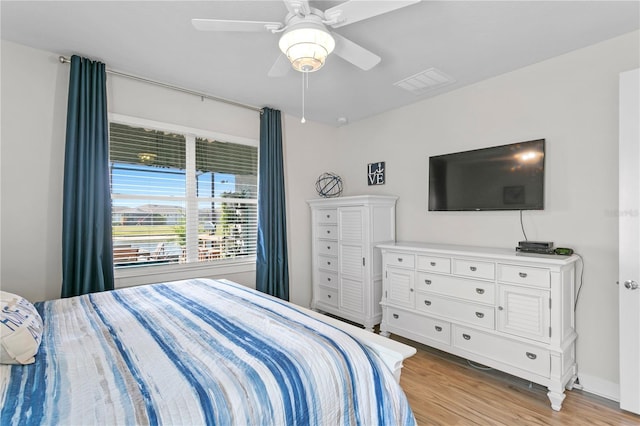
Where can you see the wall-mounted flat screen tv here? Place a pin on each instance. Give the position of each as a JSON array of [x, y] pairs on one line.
[[506, 177]]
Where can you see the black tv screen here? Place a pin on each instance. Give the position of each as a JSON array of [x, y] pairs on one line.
[[506, 177]]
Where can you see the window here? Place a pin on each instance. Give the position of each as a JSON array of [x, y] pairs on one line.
[[180, 198]]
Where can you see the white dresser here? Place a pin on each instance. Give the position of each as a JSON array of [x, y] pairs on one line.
[[346, 265], [513, 312]]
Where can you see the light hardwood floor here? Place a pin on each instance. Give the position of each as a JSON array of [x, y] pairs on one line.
[[445, 390]]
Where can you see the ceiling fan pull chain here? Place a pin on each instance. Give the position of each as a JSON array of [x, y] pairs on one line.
[[303, 87]]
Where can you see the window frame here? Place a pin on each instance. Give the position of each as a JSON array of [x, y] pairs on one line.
[[175, 271]]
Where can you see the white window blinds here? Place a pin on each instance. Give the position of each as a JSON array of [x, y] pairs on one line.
[[180, 198]]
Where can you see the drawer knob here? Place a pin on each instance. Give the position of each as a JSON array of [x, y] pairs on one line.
[[479, 314], [400, 259], [480, 290], [328, 263], [328, 279], [427, 302], [328, 247], [328, 216], [438, 328], [531, 355], [466, 337], [328, 231], [473, 268], [396, 316], [427, 282], [433, 263], [329, 296], [411, 289], [500, 308], [523, 274]]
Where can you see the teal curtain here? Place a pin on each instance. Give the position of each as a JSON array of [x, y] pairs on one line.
[[87, 259], [272, 270]]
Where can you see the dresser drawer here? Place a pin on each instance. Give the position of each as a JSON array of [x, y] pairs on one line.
[[328, 296], [478, 315], [474, 291], [328, 279], [327, 247], [517, 354], [434, 264], [328, 263], [526, 275], [430, 328], [402, 260], [327, 216], [474, 269], [328, 231]]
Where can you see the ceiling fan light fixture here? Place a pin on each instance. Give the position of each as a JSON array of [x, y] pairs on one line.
[[307, 46]]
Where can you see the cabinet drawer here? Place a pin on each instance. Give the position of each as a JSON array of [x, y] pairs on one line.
[[474, 291], [526, 275], [478, 315], [474, 268], [327, 247], [328, 279], [328, 262], [327, 216], [328, 296], [403, 260], [517, 354], [430, 328], [328, 231], [434, 264]]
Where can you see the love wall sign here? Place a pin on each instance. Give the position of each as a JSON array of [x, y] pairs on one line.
[[375, 173]]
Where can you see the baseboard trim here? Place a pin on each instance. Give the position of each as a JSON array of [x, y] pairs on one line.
[[600, 387]]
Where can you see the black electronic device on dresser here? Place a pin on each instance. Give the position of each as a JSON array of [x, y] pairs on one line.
[[540, 247]]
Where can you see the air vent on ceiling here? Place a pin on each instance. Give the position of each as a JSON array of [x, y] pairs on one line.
[[424, 81]]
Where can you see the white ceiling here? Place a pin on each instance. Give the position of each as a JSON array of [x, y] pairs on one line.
[[467, 40]]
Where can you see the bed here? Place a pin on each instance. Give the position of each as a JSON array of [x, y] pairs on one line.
[[202, 352]]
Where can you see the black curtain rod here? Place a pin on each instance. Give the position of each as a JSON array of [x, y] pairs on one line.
[[169, 86]]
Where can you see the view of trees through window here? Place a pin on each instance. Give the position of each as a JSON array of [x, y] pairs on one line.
[[166, 209]]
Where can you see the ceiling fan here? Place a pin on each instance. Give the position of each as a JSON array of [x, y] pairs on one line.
[[305, 41]]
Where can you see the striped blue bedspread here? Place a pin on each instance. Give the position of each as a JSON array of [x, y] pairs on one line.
[[196, 352]]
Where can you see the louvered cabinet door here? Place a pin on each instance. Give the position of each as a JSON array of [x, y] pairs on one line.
[[524, 312], [352, 266], [399, 287]]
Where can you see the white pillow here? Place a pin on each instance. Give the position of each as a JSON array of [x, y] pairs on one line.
[[20, 329]]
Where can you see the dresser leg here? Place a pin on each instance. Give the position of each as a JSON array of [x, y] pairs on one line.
[[383, 331], [556, 396], [368, 326], [572, 382]]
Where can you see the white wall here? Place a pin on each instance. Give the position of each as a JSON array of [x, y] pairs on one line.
[[310, 150], [572, 101], [34, 109]]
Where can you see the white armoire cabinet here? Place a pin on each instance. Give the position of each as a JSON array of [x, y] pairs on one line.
[[346, 265]]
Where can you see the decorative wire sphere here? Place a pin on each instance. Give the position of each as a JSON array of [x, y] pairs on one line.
[[329, 185]]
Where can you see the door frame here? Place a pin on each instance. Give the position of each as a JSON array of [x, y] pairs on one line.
[[629, 240]]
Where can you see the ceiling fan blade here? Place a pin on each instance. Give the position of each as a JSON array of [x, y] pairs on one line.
[[354, 53], [358, 10], [297, 7], [227, 25], [281, 67]]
